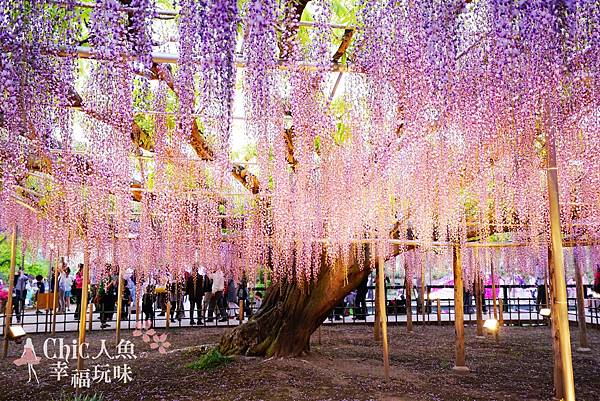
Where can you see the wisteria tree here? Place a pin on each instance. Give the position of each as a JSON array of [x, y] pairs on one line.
[[414, 120]]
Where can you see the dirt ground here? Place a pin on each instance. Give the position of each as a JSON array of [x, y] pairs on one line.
[[346, 365]]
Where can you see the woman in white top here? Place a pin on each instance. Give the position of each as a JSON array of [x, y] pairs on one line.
[[68, 283]]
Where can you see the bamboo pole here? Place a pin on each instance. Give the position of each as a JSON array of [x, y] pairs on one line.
[[583, 341], [500, 313], [494, 300], [559, 270], [11, 287], [439, 312], [460, 363], [55, 293], [90, 309], [478, 304], [168, 311], [557, 370], [408, 287], [241, 310], [422, 295], [119, 304], [377, 321], [383, 313], [84, 304], [138, 288]]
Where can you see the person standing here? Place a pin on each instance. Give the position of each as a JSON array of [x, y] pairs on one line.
[[242, 295], [217, 289], [176, 298], [62, 288], [68, 287], [41, 288], [77, 291], [20, 293], [360, 302], [148, 303], [194, 289], [540, 299], [232, 298], [108, 295], [207, 288]]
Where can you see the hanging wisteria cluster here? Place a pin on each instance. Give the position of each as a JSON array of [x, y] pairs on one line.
[[437, 134]]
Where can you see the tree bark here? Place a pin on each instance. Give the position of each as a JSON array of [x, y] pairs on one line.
[[290, 314]]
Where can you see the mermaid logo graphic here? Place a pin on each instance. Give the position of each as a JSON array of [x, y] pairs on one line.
[[30, 359]]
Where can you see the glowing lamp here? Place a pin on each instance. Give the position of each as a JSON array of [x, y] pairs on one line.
[[16, 333], [545, 312], [491, 325]]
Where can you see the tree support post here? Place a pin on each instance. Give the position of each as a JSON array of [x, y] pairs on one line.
[[84, 305], [383, 313], [119, 304], [478, 298], [459, 327], [55, 293], [557, 370], [11, 288], [408, 287], [422, 295], [377, 320], [559, 289], [583, 341]]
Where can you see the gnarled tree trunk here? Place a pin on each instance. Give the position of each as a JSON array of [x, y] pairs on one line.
[[290, 314]]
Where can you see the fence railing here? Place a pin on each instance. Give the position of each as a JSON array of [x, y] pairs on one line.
[[438, 307]]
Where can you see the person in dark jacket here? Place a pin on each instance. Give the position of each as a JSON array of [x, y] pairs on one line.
[[207, 288], [108, 297], [148, 303], [232, 298], [242, 295], [360, 302], [194, 289], [176, 289]]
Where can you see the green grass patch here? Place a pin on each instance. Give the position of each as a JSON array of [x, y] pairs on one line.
[[213, 359]]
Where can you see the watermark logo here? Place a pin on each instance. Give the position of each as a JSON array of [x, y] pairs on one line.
[[115, 368], [149, 335], [30, 359]]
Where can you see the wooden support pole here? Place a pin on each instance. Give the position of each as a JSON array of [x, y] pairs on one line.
[[383, 313], [494, 300], [8, 311], [119, 304], [168, 311], [90, 309], [560, 289], [478, 304], [501, 314], [439, 312], [422, 294], [583, 341], [377, 321], [55, 293], [459, 326], [241, 310], [408, 287], [84, 304], [557, 371]]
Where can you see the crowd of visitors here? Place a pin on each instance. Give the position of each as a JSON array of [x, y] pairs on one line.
[[209, 296]]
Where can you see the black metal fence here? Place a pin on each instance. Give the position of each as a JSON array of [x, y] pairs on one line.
[[516, 310]]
